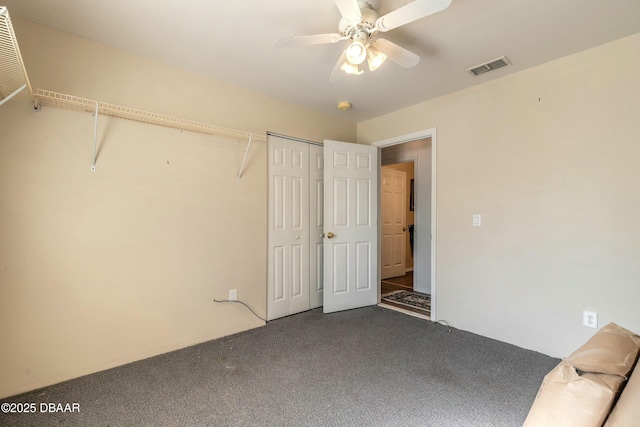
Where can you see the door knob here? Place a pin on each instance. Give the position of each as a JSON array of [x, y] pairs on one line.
[[404, 228], [330, 235]]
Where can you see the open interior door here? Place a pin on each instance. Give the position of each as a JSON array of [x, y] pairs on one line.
[[350, 226], [393, 205]]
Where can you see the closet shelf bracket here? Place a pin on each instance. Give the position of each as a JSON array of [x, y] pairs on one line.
[[14, 93], [244, 161], [95, 139]]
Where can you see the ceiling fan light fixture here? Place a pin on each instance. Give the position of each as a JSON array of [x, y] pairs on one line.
[[375, 58], [349, 68], [356, 52], [360, 22]]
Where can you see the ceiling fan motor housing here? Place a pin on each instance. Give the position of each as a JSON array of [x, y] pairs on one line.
[[367, 24]]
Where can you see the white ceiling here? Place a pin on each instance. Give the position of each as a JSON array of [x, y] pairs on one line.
[[234, 41]]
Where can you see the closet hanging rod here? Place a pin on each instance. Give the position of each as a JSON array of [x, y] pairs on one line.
[[293, 138], [70, 102]]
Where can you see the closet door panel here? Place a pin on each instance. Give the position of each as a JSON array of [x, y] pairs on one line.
[[288, 257], [316, 198]]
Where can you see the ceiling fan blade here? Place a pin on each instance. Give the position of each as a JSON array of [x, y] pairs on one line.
[[337, 73], [350, 10], [410, 12], [300, 41], [397, 54]]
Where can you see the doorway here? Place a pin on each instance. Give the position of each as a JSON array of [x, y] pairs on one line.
[[418, 148]]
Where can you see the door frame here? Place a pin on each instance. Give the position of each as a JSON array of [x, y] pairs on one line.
[[401, 139]]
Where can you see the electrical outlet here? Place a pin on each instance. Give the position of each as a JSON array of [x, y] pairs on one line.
[[590, 319], [233, 295]]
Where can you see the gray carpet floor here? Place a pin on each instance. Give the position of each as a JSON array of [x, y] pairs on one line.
[[365, 367]]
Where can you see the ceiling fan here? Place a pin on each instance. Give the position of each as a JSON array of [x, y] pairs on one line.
[[360, 23]]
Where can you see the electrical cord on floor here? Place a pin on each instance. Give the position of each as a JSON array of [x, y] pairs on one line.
[[254, 313], [444, 322]]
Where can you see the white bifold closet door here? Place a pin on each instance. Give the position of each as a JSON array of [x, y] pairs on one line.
[[309, 265], [295, 227]]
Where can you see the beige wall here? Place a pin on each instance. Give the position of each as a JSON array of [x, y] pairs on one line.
[[549, 157], [407, 168], [100, 269]]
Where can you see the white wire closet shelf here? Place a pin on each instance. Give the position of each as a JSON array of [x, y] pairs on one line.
[[50, 98], [14, 83]]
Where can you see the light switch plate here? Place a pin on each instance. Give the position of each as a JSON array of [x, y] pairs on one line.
[[477, 220]]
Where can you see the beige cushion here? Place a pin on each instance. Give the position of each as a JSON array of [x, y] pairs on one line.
[[567, 399], [626, 413], [580, 391], [612, 350]]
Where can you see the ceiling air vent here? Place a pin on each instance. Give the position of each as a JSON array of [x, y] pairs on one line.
[[489, 66]]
